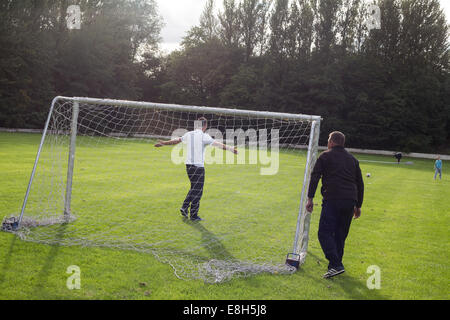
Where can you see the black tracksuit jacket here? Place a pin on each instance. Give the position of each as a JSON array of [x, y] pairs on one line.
[[341, 176]]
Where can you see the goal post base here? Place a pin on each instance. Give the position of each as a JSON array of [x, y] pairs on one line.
[[10, 224], [293, 260]]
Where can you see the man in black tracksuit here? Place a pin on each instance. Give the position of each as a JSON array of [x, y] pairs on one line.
[[342, 191]]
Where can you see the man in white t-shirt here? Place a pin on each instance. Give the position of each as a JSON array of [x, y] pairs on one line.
[[196, 142]]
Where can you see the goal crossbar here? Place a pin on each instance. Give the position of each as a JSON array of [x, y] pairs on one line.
[[198, 109]]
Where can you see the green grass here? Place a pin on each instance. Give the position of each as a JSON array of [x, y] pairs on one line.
[[403, 229]]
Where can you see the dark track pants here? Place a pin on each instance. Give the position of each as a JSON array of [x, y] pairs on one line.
[[334, 226], [197, 177]]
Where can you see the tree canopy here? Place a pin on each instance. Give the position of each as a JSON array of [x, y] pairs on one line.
[[385, 88]]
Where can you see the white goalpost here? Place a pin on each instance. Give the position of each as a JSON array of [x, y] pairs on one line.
[[97, 180]]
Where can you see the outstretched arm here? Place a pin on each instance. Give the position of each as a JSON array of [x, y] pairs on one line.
[[168, 143], [224, 147]]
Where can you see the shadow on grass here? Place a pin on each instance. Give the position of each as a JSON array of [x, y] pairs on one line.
[[210, 242], [356, 289], [7, 259], [352, 287], [42, 277]]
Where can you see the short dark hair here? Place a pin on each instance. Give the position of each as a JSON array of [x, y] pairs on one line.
[[203, 120], [200, 122], [338, 138]]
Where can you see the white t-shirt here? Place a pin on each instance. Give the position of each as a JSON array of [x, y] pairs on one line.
[[196, 142]]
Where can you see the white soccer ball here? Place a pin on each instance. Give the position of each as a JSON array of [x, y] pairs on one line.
[[368, 175]]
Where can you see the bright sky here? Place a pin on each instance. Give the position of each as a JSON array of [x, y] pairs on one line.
[[180, 15]]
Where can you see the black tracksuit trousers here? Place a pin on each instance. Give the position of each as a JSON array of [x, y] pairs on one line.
[[197, 177], [334, 226]]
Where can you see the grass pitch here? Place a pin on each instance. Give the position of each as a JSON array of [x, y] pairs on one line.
[[403, 230]]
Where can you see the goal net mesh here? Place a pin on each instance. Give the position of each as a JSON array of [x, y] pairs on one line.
[[127, 194]]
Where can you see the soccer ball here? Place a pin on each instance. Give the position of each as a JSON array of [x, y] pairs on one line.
[[368, 175]]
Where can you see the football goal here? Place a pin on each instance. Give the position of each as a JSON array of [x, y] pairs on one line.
[[98, 180]]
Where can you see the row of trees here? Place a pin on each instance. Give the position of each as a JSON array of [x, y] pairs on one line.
[[41, 57], [386, 88]]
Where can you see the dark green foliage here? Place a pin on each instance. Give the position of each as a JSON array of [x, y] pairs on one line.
[[42, 58], [385, 88]]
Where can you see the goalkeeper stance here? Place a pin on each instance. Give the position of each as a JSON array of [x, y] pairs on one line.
[[196, 142]]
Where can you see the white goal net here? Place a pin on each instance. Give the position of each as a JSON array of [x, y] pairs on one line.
[[99, 180]]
